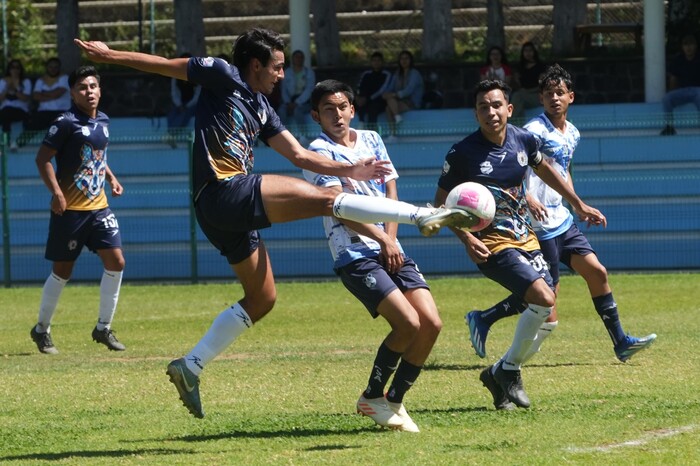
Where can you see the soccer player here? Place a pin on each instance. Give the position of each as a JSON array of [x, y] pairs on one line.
[[80, 215], [559, 237], [231, 204], [497, 155], [370, 262]]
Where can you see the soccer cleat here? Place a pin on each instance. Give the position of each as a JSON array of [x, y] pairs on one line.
[[187, 385], [43, 341], [500, 401], [379, 411], [407, 423], [633, 345], [478, 331], [429, 224], [512, 385], [107, 338]]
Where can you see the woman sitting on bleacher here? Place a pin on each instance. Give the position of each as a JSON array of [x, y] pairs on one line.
[[405, 89]]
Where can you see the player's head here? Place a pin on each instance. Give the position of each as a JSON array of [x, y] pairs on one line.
[[256, 43], [259, 55], [332, 108], [85, 89], [556, 91], [492, 107]]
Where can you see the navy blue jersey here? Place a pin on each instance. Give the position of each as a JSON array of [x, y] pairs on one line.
[[502, 170], [81, 157], [228, 119]]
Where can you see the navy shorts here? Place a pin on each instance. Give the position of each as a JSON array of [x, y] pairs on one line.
[[229, 213], [369, 282], [516, 269], [562, 247], [68, 233]]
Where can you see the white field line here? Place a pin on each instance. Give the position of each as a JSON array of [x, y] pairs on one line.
[[649, 437]]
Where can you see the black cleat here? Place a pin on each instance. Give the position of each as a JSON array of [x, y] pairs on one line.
[[500, 401], [43, 341], [107, 338], [512, 385]]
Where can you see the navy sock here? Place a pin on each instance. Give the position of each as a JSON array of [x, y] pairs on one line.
[[607, 310], [510, 306], [404, 379], [384, 365]]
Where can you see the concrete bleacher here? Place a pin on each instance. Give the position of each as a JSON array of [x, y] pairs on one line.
[[647, 186]]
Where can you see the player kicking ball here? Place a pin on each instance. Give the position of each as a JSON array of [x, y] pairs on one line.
[[559, 237], [371, 262]]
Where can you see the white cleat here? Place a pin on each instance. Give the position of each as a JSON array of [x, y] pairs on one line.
[[431, 223], [379, 411], [400, 410]]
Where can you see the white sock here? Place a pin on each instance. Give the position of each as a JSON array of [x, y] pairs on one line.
[[368, 209], [223, 331], [525, 332], [543, 332], [53, 287], [109, 295]]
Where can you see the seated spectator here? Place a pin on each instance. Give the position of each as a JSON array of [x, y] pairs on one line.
[[683, 81], [299, 81], [496, 66], [405, 91], [15, 95], [373, 83], [184, 96], [52, 95], [526, 81]]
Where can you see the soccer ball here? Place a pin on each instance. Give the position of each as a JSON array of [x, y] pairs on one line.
[[474, 198]]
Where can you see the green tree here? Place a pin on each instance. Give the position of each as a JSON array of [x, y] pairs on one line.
[[25, 35]]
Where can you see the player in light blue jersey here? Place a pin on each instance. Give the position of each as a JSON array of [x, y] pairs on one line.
[[369, 260], [560, 239], [498, 155]]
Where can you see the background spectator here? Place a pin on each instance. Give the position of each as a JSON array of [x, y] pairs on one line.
[[373, 83], [683, 81], [299, 81], [184, 96], [15, 95], [405, 90], [526, 80], [496, 66], [52, 96]]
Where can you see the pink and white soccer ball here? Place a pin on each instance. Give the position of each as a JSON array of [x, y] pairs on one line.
[[476, 199]]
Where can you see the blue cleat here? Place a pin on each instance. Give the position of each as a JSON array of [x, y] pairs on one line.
[[633, 345], [478, 332]]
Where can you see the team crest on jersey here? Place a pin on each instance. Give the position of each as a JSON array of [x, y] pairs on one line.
[[208, 62], [486, 167], [522, 158], [445, 168], [85, 130], [53, 130], [369, 281]]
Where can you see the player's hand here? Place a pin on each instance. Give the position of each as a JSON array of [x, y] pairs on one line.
[[476, 249], [390, 256], [371, 169], [591, 216], [95, 50], [537, 209], [58, 204], [117, 188]]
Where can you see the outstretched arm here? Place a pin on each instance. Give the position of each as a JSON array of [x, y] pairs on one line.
[[99, 52]]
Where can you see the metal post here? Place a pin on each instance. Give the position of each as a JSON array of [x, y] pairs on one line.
[[5, 39], [5, 214], [153, 27], [194, 260]]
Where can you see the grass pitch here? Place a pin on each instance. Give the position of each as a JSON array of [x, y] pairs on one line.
[[284, 393]]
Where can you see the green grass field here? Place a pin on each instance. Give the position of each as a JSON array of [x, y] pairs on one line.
[[285, 392]]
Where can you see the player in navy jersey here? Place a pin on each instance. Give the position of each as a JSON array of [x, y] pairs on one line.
[[231, 204], [80, 215], [497, 155], [370, 262], [559, 237]]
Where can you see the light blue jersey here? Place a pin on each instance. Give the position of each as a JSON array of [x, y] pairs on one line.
[[558, 149], [346, 244]]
